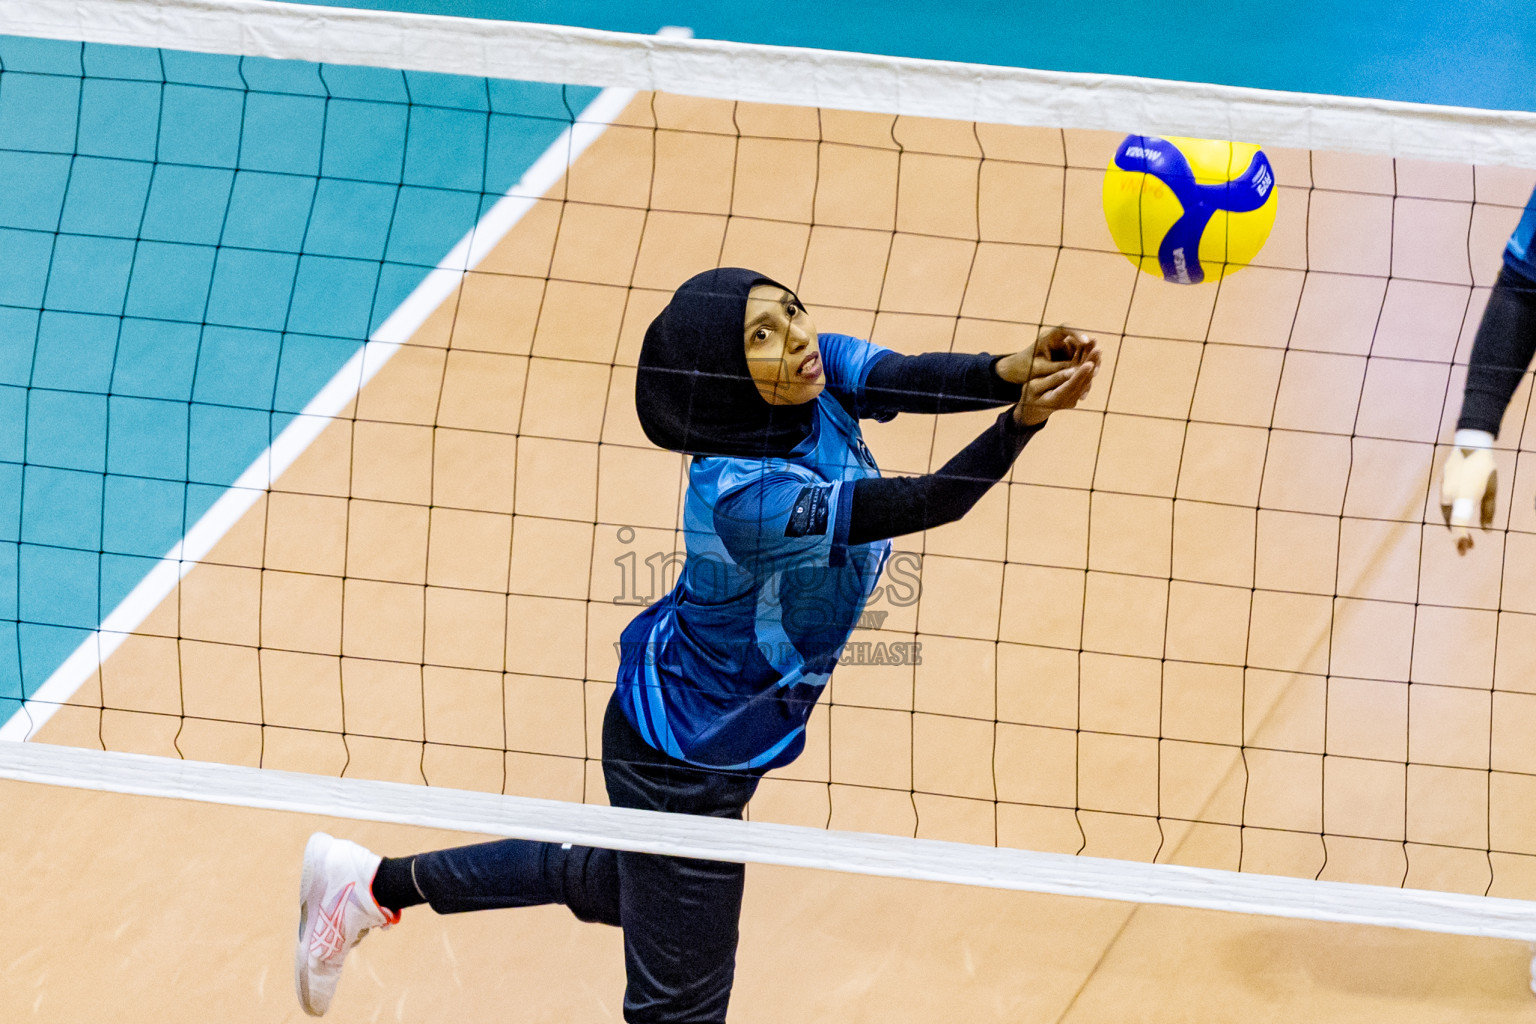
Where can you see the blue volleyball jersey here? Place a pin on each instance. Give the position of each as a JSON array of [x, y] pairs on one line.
[[723, 671], [1518, 254]]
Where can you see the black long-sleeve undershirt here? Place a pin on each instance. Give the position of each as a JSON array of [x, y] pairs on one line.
[[884, 507], [1506, 341], [935, 382]]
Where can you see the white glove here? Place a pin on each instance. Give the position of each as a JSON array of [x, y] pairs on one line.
[[1469, 486]]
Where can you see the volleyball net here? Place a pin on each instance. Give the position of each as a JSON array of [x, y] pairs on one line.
[[324, 489]]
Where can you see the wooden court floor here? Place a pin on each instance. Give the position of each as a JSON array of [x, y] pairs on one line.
[[1210, 620]]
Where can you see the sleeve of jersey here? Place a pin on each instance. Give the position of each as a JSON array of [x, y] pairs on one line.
[[846, 361], [1520, 253], [781, 520]]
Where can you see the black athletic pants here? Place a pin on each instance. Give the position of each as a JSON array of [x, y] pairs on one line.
[[679, 916]]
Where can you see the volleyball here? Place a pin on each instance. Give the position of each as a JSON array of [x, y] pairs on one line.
[[1189, 210]]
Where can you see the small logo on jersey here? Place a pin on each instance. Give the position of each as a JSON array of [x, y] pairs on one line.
[[809, 516]]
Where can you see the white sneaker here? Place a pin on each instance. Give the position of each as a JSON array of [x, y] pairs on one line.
[[336, 909]]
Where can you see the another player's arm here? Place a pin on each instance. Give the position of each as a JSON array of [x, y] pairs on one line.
[[1506, 341], [890, 507]]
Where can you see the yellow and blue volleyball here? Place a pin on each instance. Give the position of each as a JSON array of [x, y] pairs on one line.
[[1189, 210]]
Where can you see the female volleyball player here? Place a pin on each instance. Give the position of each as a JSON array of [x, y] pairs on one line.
[[787, 525], [1501, 353]]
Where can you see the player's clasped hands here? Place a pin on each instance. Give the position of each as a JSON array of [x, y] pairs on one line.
[[1057, 371], [1467, 493]]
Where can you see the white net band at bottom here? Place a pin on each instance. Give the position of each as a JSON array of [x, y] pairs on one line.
[[762, 843]]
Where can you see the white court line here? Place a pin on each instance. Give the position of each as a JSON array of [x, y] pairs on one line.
[[788, 74], [321, 411], [748, 842]]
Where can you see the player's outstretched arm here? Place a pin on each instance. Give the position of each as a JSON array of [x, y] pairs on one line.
[[944, 382], [891, 507], [1501, 353]]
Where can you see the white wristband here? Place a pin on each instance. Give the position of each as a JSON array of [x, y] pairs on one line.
[[1470, 439]]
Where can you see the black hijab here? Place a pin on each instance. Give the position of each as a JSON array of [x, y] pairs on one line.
[[693, 390]]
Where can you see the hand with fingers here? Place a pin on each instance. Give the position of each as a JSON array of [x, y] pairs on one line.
[[1468, 490], [1056, 372]]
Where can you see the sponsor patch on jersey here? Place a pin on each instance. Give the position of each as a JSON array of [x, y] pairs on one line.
[[809, 516]]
